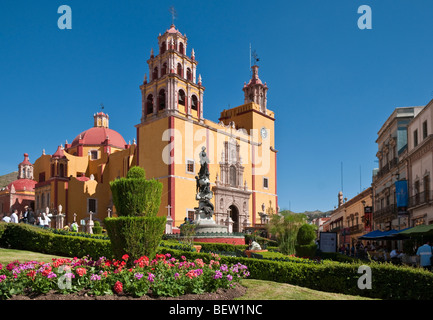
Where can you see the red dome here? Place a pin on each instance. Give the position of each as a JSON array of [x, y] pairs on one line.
[[98, 135], [20, 184]]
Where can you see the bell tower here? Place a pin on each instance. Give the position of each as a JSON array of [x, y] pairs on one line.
[[172, 85], [255, 91]]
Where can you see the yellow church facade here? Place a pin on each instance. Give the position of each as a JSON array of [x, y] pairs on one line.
[[171, 133]]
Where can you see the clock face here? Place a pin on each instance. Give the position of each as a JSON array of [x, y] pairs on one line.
[[263, 132]]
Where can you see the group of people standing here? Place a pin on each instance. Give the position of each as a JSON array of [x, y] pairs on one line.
[[357, 250], [40, 219]]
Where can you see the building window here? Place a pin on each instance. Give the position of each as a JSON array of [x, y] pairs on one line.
[[181, 99], [415, 138], [194, 103], [233, 176], [163, 47], [161, 98], [265, 183], [179, 70], [424, 130], [91, 205], [155, 73], [188, 74], [149, 104], [93, 154], [164, 69], [190, 215], [190, 166]]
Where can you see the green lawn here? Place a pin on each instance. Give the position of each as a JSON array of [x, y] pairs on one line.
[[9, 255], [256, 289], [268, 290]]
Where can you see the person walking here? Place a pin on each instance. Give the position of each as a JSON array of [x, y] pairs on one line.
[[425, 253], [6, 218], [14, 216], [44, 220], [31, 217]]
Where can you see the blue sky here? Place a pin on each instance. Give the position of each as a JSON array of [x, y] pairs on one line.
[[331, 85]]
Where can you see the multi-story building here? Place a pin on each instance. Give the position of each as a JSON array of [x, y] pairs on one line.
[[392, 152], [351, 219], [420, 167]]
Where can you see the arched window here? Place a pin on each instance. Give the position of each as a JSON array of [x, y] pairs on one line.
[[181, 50], [164, 69], [188, 74], [163, 47], [181, 99], [161, 98], [194, 103], [179, 70], [155, 73], [149, 104]]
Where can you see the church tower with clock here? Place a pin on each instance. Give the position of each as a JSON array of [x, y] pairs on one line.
[[173, 130]]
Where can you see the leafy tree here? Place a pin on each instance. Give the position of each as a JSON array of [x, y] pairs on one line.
[[285, 228]]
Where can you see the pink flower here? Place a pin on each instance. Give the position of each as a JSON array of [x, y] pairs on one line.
[[151, 277]]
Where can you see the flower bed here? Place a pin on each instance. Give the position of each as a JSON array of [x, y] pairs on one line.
[[162, 276]]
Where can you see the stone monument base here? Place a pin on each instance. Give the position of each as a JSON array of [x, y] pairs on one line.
[[206, 224], [207, 230]]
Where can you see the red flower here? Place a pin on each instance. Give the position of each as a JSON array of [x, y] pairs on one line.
[[125, 257], [142, 261], [81, 271], [160, 256], [46, 272], [32, 274], [118, 287]]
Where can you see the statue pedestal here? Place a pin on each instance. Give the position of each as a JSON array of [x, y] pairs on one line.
[[206, 224]]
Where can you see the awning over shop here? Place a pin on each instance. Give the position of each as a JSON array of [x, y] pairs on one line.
[[383, 235], [418, 230], [371, 235]]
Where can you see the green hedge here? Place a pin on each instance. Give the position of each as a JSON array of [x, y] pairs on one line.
[[26, 237], [388, 281], [135, 236]]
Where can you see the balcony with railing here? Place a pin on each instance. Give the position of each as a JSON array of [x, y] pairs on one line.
[[386, 168], [389, 212], [356, 229], [421, 198]]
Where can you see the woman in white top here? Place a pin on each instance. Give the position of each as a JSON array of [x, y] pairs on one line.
[[44, 221]]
